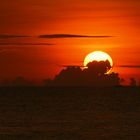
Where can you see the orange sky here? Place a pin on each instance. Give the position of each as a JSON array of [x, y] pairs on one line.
[[117, 18]]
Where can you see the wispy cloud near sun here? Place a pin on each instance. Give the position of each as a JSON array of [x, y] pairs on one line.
[[129, 66]]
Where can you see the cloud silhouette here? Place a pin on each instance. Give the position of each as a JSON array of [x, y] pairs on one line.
[[5, 36], [94, 75], [129, 66], [70, 36], [25, 44]]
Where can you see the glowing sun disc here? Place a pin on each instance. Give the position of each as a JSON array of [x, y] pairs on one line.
[[98, 56]]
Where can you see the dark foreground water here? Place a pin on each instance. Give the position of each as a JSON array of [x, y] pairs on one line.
[[70, 114]]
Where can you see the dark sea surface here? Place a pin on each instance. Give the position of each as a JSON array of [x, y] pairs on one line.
[[70, 113]]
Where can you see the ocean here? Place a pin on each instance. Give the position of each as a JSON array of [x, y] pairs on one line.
[[70, 113]]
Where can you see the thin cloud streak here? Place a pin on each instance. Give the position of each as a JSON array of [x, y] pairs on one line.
[[3, 51], [129, 66], [6, 36], [49, 36], [25, 44]]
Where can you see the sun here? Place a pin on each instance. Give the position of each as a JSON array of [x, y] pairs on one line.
[[98, 56]]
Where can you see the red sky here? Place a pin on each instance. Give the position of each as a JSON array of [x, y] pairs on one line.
[[117, 18]]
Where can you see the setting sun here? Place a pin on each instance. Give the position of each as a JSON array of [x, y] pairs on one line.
[[98, 56]]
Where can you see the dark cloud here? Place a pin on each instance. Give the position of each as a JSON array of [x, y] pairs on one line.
[[70, 36], [93, 75], [129, 66], [25, 44], [5, 36]]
